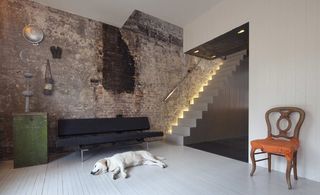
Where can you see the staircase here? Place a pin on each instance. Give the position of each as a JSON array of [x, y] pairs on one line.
[[199, 104]]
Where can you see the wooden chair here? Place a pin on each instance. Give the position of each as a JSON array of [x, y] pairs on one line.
[[281, 144]]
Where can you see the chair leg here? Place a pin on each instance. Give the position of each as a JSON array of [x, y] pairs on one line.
[[253, 162], [295, 172], [269, 162], [288, 171]]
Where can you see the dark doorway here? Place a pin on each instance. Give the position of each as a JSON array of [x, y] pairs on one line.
[[235, 148], [224, 127]]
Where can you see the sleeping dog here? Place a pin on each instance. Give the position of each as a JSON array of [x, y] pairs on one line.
[[119, 162]]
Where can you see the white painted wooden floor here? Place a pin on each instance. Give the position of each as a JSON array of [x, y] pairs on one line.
[[189, 171]]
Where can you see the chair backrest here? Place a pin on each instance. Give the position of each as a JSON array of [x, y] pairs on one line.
[[286, 113]]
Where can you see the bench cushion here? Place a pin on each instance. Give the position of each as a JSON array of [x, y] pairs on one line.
[[105, 138], [68, 127]]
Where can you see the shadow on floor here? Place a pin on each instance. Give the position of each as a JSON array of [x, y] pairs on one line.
[[235, 148]]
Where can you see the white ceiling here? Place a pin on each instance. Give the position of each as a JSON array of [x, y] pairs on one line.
[[115, 12]]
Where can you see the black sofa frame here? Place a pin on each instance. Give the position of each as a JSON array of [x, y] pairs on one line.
[[95, 131]]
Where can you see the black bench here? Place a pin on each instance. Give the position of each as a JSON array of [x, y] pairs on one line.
[[82, 132]]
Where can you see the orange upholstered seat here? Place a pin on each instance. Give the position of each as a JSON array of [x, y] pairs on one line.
[[286, 148], [280, 140]]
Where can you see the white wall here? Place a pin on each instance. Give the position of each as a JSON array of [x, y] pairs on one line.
[[284, 64]]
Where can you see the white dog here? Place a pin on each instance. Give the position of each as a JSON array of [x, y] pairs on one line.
[[119, 162]]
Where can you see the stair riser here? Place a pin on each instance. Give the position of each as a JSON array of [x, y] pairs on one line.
[[227, 69], [232, 62], [222, 76], [186, 122], [204, 99], [192, 114], [219, 80], [238, 55], [209, 92], [223, 79], [214, 86], [184, 131], [216, 83], [199, 107]]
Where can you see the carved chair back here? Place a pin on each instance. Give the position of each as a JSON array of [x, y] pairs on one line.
[[286, 114]]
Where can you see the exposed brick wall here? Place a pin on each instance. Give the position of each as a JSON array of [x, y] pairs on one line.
[[155, 47], [118, 65]]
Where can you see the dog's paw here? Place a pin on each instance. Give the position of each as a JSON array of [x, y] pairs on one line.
[[114, 177], [125, 175], [164, 165]]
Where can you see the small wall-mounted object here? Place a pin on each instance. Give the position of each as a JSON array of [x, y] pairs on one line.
[[33, 34], [27, 93], [119, 116], [95, 81], [48, 87], [97, 87], [56, 52]]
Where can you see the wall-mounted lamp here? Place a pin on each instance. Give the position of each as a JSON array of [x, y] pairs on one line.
[[33, 34]]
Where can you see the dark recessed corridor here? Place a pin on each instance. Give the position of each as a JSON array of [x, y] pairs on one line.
[[235, 148]]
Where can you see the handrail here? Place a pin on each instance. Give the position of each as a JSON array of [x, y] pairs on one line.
[[176, 87]]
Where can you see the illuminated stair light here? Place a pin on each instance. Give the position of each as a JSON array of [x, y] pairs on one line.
[[175, 123], [181, 115]]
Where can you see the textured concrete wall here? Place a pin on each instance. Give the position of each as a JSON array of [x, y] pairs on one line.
[[154, 47]]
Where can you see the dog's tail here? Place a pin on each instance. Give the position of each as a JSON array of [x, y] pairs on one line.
[[160, 158]]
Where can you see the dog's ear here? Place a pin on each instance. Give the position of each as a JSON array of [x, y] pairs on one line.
[[107, 165]]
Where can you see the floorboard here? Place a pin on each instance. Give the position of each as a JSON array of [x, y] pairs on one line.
[[190, 171]]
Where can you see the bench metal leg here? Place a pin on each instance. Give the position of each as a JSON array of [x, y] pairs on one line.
[[147, 144], [82, 151]]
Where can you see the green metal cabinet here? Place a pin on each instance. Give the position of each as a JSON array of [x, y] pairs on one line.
[[30, 139]]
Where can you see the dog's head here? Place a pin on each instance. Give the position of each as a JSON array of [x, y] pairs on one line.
[[100, 166]]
